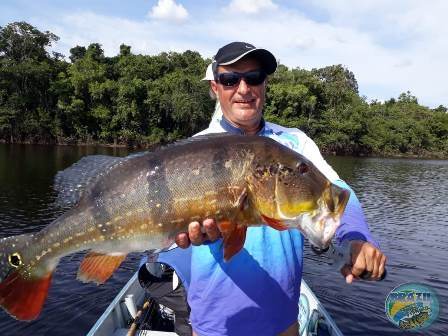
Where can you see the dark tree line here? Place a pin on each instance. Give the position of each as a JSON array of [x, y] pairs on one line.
[[142, 100]]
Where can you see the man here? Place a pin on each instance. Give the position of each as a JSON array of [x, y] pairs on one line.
[[257, 291]]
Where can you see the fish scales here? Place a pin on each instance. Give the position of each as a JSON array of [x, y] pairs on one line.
[[142, 201], [158, 195]]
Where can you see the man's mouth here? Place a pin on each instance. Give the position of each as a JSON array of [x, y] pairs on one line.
[[244, 101]]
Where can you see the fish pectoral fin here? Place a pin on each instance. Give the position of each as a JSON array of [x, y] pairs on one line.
[[275, 223], [242, 200], [24, 297], [98, 267], [234, 237]]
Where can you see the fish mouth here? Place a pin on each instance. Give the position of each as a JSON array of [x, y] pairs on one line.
[[319, 226]]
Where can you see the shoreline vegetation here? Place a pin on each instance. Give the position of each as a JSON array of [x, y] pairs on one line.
[[142, 101], [139, 146]]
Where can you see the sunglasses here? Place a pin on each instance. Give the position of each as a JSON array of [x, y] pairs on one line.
[[252, 78]]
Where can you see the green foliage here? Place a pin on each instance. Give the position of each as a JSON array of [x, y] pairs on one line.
[[26, 72], [142, 100]]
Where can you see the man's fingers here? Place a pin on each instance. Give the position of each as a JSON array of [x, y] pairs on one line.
[[198, 234], [211, 229], [360, 265], [195, 233], [368, 262], [376, 270], [382, 268], [346, 272], [383, 264], [182, 240]]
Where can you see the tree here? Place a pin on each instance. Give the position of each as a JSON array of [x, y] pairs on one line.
[[20, 41], [26, 71], [339, 85], [125, 50], [77, 53], [141, 100]]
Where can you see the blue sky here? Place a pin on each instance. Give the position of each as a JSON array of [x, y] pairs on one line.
[[390, 46]]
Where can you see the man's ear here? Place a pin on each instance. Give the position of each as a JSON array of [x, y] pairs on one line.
[[214, 87]]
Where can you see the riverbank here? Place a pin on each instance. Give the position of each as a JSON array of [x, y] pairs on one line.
[[424, 155], [389, 155]]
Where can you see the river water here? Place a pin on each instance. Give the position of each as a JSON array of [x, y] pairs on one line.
[[404, 201]]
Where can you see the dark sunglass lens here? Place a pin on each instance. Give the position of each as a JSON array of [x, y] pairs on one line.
[[254, 77], [233, 78], [229, 78]]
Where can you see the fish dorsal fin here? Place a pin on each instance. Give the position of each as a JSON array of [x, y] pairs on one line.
[[198, 139], [72, 182]]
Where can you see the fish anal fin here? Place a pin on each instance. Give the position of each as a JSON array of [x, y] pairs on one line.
[[234, 237], [98, 267], [22, 297], [275, 223]]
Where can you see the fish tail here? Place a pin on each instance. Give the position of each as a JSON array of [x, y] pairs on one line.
[[23, 288]]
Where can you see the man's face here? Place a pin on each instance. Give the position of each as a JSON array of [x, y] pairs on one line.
[[241, 104]]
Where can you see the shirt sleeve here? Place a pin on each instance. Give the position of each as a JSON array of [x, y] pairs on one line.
[[353, 222], [312, 153]]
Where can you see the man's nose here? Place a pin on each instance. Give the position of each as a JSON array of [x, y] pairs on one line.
[[243, 87]]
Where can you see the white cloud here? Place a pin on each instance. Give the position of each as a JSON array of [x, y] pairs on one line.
[[251, 6], [169, 10]]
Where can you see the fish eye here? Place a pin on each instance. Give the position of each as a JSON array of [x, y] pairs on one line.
[[303, 168], [15, 260]]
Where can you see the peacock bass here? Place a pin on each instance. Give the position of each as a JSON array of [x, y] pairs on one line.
[[140, 202]]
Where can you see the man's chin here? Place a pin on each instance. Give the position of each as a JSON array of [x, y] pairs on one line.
[[245, 109]]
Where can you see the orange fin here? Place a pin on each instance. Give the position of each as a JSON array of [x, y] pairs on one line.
[[98, 267], [22, 297], [275, 223], [234, 237]]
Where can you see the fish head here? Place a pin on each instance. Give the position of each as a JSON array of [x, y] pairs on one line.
[[290, 192], [18, 255], [422, 317], [24, 276], [13, 256]]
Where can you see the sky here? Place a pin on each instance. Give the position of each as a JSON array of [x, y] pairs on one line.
[[392, 46]]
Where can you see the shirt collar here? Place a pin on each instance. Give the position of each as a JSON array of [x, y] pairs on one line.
[[229, 128]]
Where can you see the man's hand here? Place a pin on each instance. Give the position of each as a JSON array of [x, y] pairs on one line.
[[198, 234], [365, 258]]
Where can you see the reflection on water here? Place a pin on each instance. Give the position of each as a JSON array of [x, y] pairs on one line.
[[404, 201]]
